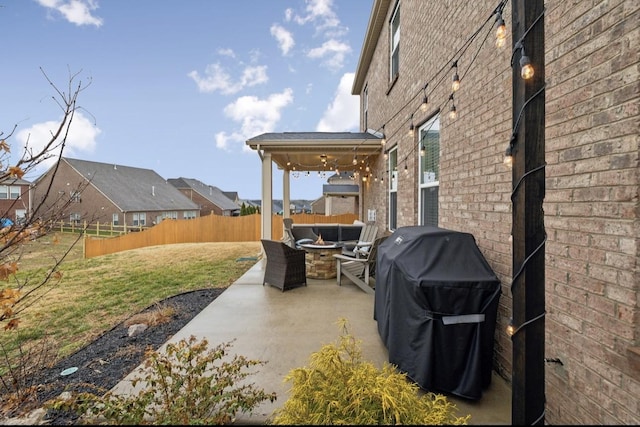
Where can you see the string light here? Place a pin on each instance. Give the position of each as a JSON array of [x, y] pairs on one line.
[[453, 114], [501, 30], [422, 150], [526, 69], [383, 141], [411, 127], [425, 101], [455, 85], [511, 329]]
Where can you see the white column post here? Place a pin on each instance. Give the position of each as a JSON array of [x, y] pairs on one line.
[[286, 194], [267, 196]]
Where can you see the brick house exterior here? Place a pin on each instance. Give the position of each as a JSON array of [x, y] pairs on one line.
[[591, 207], [212, 200], [15, 199], [108, 193]]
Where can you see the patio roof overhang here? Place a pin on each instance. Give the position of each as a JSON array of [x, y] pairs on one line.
[[305, 151]]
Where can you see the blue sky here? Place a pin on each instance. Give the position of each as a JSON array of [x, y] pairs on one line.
[[178, 87]]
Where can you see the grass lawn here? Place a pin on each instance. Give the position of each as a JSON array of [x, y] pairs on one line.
[[93, 295]]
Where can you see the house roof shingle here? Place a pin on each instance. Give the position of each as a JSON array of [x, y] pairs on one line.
[[209, 192], [130, 188]]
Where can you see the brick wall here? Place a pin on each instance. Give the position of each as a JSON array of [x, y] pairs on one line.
[[592, 180]]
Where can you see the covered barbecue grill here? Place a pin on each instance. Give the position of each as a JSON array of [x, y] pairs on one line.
[[436, 302]]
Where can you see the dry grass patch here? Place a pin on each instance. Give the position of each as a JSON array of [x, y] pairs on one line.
[[160, 314]]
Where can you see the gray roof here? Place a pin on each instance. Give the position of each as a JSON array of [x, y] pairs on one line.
[[14, 181], [132, 189], [209, 192], [314, 136], [343, 189]]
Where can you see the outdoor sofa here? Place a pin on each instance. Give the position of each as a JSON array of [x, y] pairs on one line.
[[330, 233]]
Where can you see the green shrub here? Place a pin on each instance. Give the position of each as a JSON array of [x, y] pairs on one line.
[[340, 388], [185, 385]]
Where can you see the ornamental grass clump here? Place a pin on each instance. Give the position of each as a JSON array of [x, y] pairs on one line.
[[339, 387]]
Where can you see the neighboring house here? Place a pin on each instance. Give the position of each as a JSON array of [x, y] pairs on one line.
[[233, 196], [340, 195], [212, 200], [15, 199], [590, 185], [111, 193]]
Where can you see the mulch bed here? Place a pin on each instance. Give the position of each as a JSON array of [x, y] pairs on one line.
[[114, 355]]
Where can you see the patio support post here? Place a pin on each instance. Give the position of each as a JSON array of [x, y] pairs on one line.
[[286, 194], [528, 234], [267, 196]]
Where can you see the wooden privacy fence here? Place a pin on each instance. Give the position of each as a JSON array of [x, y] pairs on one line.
[[210, 228]]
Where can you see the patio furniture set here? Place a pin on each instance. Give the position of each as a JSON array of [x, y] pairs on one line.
[[321, 251]]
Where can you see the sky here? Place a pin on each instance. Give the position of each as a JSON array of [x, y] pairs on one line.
[[178, 87]]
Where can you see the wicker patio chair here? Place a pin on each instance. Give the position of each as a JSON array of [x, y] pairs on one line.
[[285, 267]]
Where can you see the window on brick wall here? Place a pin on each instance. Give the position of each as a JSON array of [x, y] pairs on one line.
[[393, 188], [139, 219], [114, 219], [394, 43], [429, 176]]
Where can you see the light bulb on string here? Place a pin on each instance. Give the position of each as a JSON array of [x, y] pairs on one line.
[[383, 140], [355, 160], [411, 127], [501, 31], [425, 101], [508, 157], [526, 69], [453, 114], [511, 329], [422, 150], [386, 155], [455, 84]]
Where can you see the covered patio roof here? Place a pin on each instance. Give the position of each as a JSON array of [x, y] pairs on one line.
[[317, 151]]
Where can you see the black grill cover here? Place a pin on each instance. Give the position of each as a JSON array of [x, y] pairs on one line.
[[436, 302]]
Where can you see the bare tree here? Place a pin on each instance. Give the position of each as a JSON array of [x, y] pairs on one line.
[[18, 294]]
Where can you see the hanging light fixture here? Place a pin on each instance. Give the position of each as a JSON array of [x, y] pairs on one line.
[[422, 150], [425, 101], [411, 127], [455, 85], [383, 141], [386, 154], [526, 69], [501, 31], [453, 114]]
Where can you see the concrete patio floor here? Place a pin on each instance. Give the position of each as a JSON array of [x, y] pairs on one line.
[[285, 328]]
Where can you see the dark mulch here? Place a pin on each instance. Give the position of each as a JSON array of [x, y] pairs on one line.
[[114, 355]]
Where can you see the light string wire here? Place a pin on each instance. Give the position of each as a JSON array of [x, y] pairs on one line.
[[441, 72]]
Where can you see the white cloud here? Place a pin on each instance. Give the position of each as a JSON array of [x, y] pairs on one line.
[[81, 138], [333, 52], [75, 11], [227, 52], [217, 79], [283, 37], [255, 116], [343, 114], [319, 12]]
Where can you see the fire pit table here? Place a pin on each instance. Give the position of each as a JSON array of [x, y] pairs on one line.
[[319, 260]]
